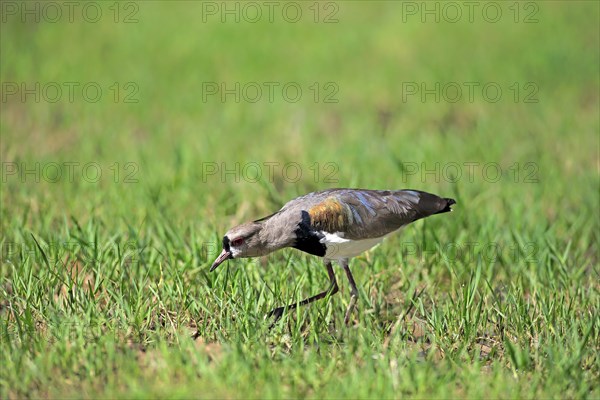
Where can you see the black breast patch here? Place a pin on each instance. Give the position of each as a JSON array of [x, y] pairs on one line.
[[307, 239]]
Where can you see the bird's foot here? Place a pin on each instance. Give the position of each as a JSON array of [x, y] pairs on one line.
[[276, 313]]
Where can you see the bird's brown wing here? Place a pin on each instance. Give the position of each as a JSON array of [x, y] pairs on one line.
[[362, 214]]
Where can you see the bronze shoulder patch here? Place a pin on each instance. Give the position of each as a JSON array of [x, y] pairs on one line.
[[329, 215]]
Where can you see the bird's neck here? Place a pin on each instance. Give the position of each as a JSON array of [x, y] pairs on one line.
[[275, 236]]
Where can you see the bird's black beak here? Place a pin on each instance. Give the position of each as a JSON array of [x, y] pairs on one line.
[[225, 255]]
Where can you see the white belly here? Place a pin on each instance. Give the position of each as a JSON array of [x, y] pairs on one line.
[[338, 247]]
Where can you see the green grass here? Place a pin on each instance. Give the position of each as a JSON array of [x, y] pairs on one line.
[[104, 287]]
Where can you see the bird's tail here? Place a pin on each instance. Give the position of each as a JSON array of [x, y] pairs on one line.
[[447, 208], [426, 204]]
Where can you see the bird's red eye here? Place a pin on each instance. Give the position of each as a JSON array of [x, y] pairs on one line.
[[237, 242]]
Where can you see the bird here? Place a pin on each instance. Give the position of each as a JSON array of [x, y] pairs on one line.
[[334, 224]]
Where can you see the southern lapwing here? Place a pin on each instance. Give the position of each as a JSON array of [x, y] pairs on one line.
[[335, 224]]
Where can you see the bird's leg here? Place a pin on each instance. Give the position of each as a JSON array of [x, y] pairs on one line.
[[353, 293], [333, 289]]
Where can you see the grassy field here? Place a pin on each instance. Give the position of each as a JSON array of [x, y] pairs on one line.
[[133, 135]]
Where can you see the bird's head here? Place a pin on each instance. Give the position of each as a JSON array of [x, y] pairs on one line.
[[240, 242]]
